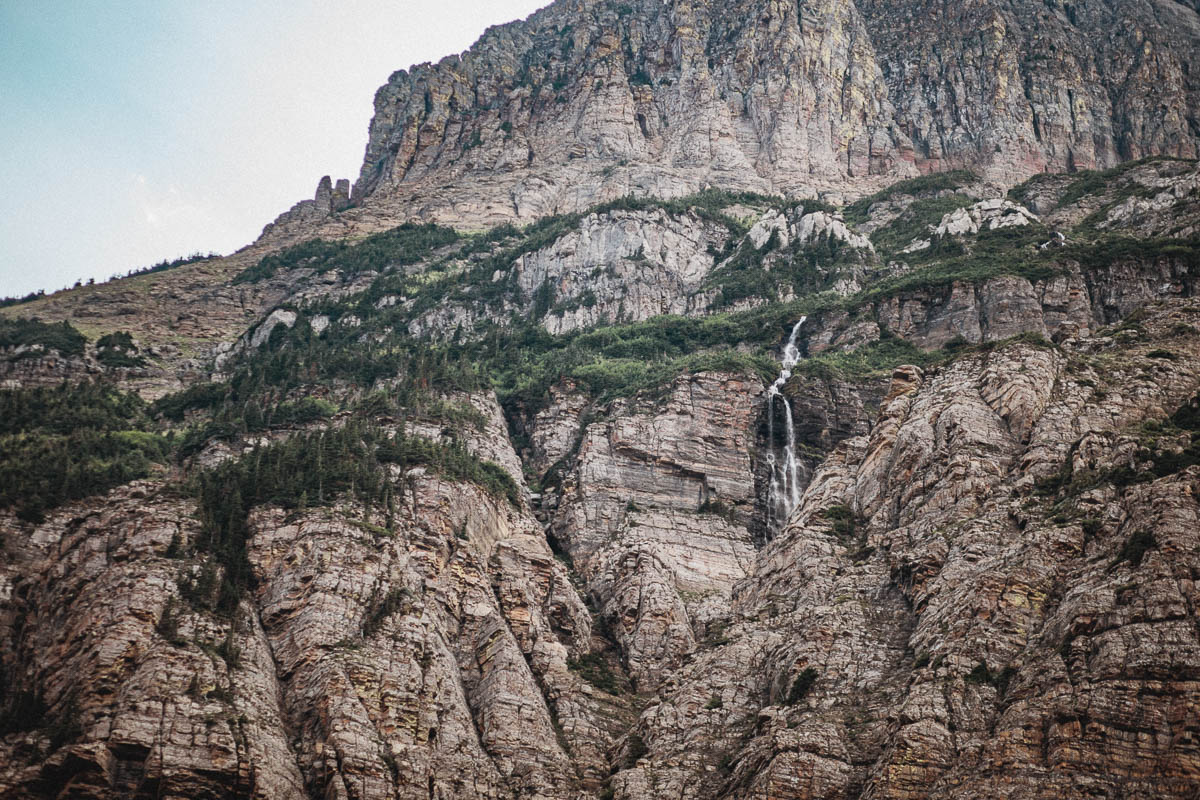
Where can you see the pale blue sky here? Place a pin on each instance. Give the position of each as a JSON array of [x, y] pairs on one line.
[[133, 131]]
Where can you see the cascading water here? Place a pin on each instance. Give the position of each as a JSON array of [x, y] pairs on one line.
[[783, 492]]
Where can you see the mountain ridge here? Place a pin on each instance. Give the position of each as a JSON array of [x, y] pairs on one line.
[[585, 102]]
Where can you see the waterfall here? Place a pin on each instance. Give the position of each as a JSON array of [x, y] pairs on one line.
[[783, 493]]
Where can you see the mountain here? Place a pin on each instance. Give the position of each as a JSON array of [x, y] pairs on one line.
[[585, 102], [831, 431]]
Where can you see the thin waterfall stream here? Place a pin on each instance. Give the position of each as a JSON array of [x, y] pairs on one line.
[[783, 492]]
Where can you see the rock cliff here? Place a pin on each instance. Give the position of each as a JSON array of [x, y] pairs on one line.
[[412, 511], [588, 100]]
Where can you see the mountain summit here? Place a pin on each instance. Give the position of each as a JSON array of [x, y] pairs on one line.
[[588, 101]]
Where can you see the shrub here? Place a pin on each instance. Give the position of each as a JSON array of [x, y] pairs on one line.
[[396, 601], [14, 301], [640, 78], [58, 336], [842, 520], [22, 711], [596, 670], [71, 442], [168, 623], [637, 749], [856, 213], [981, 674], [1136, 547], [118, 350], [407, 244], [802, 685]]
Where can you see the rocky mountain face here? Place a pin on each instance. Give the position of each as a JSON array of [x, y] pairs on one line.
[[589, 100], [438, 513]]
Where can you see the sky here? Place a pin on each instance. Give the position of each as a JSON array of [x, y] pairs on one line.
[[133, 131]]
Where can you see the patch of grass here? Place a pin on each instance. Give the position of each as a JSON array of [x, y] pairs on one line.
[[875, 359], [915, 220], [1091, 182], [596, 670], [406, 244], [857, 213]]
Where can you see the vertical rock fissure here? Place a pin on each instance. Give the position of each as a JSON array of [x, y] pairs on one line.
[[783, 491]]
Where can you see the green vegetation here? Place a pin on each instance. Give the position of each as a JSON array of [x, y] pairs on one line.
[[117, 350], [58, 336], [1160, 457], [1005, 251], [198, 396], [1110, 249], [407, 244], [1000, 679], [120, 340], [934, 182], [309, 470], [596, 669], [1136, 547], [875, 359], [914, 222], [70, 442], [396, 601], [24, 711], [841, 518], [802, 269], [5, 302], [164, 265], [637, 749], [802, 685], [1091, 182]]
